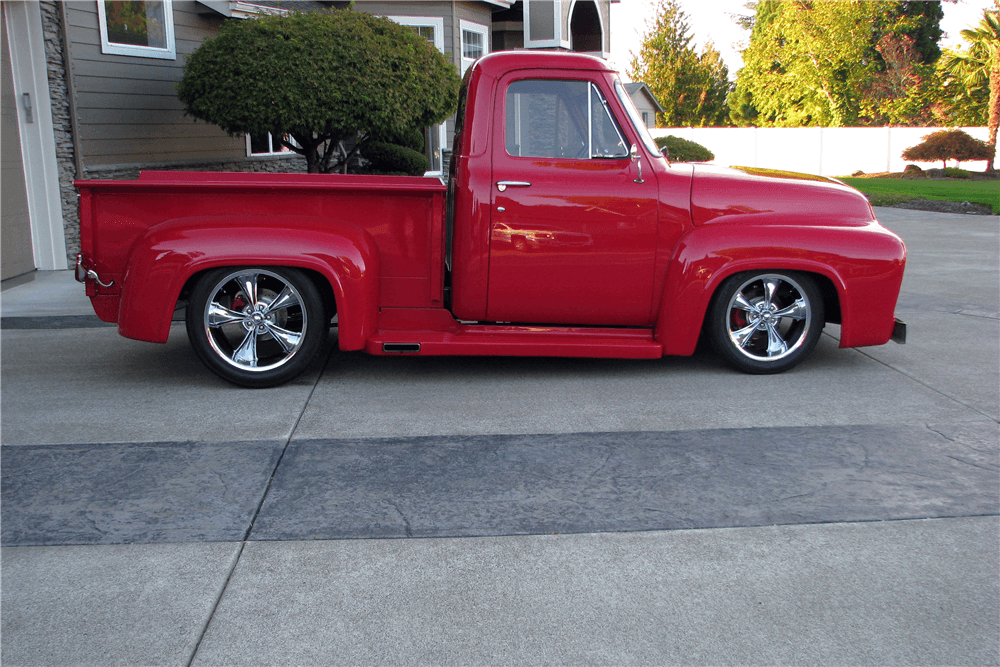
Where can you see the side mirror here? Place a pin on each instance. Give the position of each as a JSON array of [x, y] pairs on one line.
[[634, 156], [666, 153]]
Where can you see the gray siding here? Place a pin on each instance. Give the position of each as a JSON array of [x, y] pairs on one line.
[[477, 12], [127, 106]]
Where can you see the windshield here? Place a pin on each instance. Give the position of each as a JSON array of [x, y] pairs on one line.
[[636, 119]]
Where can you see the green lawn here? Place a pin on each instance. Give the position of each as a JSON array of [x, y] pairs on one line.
[[894, 190]]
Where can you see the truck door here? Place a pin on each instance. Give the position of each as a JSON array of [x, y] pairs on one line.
[[572, 234]]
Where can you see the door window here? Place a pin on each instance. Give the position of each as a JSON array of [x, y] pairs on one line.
[[561, 119]]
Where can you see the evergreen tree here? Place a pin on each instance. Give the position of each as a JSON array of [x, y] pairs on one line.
[[692, 87]]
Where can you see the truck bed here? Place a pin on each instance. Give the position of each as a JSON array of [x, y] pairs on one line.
[[402, 216]]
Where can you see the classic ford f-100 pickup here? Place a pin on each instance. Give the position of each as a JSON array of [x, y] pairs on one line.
[[562, 231]]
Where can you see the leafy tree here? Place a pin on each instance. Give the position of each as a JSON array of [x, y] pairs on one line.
[[691, 86], [320, 78], [948, 145], [977, 70], [837, 63]]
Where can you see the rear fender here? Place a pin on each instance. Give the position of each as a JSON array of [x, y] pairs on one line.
[[864, 264], [167, 255]]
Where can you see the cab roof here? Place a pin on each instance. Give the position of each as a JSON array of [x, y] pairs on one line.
[[500, 62]]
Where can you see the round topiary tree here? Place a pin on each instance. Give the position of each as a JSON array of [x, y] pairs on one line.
[[682, 150], [319, 78], [947, 145]]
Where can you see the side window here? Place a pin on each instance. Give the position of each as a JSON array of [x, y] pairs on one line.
[[560, 119], [137, 28], [606, 139]]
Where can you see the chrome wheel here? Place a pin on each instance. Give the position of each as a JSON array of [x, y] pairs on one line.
[[768, 317], [254, 326], [767, 322], [254, 320]]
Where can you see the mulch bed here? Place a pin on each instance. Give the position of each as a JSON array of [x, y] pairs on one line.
[[944, 206]]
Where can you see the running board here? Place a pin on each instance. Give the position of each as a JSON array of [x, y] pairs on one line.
[[519, 341]]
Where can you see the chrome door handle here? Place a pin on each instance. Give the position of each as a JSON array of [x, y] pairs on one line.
[[502, 185]]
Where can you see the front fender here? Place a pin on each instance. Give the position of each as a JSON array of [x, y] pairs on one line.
[[864, 263], [167, 255]]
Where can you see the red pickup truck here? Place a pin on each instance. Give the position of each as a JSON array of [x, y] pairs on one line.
[[562, 231]]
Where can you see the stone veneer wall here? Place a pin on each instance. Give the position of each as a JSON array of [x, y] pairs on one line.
[[127, 172], [65, 151]]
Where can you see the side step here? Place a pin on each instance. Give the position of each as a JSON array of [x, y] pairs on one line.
[[519, 341]]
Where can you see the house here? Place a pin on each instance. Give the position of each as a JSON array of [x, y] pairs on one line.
[[644, 101], [88, 91]]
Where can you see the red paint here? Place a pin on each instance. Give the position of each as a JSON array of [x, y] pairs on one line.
[[586, 261]]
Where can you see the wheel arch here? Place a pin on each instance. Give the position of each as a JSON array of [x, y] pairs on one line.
[[316, 277]]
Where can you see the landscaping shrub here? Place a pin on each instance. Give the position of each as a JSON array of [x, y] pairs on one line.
[[682, 150], [386, 158], [955, 172], [411, 138], [947, 145]]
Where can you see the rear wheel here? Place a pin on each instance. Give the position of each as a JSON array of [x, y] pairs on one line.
[[766, 322], [256, 327]]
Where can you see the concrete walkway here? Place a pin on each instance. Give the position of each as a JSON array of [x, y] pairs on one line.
[[568, 511]]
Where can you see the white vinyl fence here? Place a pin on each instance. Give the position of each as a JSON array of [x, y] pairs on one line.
[[828, 151]]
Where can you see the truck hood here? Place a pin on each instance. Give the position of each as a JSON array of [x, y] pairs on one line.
[[748, 195]]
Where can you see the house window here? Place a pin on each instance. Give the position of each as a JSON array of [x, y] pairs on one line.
[[543, 24], [645, 118], [542, 19], [475, 43], [430, 28], [143, 28], [265, 144]]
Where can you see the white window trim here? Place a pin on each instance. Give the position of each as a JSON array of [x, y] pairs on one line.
[[242, 10], [600, 19], [437, 22], [557, 18], [477, 28], [168, 53], [270, 139]]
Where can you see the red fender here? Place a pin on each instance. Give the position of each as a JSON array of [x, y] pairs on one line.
[[864, 263], [167, 255]]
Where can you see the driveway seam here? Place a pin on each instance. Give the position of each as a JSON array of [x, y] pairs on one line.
[[253, 519], [924, 384]]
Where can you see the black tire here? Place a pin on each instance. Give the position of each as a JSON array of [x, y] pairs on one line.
[[256, 326], [766, 321]]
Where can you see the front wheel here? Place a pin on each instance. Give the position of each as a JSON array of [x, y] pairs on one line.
[[766, 322], [256, 327]]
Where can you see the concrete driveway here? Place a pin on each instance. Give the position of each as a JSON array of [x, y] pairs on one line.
[[571, 511]]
